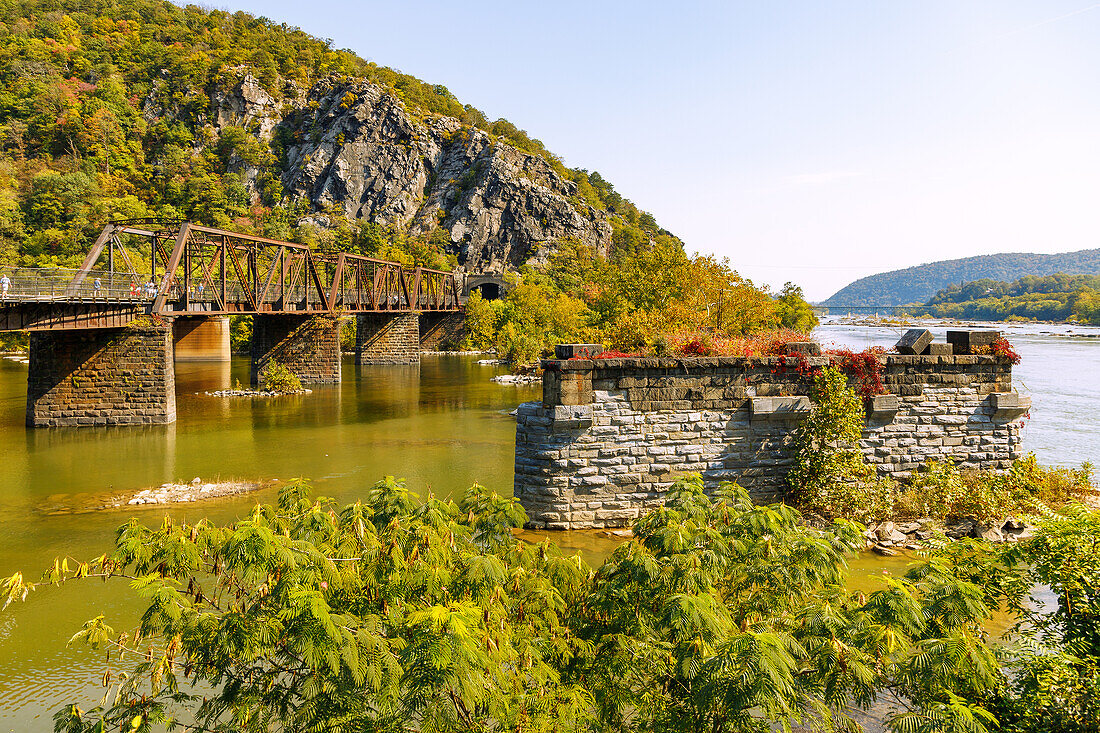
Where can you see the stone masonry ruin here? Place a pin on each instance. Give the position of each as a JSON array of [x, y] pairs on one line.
[[611, 435]]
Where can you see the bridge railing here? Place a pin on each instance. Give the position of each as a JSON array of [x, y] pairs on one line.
[[56, 283]]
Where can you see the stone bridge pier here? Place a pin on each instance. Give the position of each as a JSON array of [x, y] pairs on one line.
[[309, 346], [201, 339], [109, 376], [387, 338], [441, 329]]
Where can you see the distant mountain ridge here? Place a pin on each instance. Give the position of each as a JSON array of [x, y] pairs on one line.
[[918, 284]]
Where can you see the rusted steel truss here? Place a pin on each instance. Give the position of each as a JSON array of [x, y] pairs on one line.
[[197, 269]]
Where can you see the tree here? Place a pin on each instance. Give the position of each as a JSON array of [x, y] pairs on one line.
[[794, 312]]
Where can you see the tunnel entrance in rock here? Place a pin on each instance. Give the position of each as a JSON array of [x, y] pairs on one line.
[[489, 291]]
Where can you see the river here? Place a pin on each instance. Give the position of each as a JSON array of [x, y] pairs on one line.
[[442, 426]]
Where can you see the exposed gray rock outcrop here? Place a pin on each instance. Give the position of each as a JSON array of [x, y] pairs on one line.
[[354, 149]]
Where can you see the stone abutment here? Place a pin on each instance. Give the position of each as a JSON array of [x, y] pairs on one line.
[[387, 338], [114, 376], [611, 435]]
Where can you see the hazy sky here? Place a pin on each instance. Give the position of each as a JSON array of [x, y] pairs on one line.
[[809, 141]]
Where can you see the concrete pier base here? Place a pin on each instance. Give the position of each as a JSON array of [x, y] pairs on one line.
[[112, 376], [387, 338], [309, 346], [201, 339], [441, 330]]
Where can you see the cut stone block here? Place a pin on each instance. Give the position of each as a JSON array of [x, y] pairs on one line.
[[914, 341], [568, 351], [780, 408], [938, 350], [964, 342], [883, 405], [1009, 405], [566, 388], [572, 416], [809, 348]]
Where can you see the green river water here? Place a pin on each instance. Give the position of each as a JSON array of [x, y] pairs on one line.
[[442, 426]]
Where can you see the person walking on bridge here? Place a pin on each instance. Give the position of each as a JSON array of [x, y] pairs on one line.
[[5, 283], [96, 287]]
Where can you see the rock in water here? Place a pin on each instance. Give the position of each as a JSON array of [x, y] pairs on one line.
[[888, 533]]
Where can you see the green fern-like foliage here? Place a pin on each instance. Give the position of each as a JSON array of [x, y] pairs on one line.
[[398, 613]]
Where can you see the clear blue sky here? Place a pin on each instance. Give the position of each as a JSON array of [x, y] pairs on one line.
[[814, 141]]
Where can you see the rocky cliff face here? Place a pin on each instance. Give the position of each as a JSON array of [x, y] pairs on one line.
[[357, 151]]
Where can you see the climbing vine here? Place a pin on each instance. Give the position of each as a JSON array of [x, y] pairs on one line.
[[1002, 349], [864, 368]]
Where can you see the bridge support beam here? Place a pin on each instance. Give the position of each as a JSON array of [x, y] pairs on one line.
[[111, 376], [387, 338], [309, 346], [201, 339], [441, 329]]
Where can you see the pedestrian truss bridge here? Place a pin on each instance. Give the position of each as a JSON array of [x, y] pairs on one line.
[[150, 267]]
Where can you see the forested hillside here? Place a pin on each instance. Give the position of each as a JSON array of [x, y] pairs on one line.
[[140, 108], [918, 284], [1058, 297]]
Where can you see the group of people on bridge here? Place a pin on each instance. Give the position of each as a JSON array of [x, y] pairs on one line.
[[148, 291]]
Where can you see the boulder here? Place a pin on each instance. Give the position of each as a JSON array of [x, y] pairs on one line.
[[884, 551], [988, 531], [960, 530], [887, 531]]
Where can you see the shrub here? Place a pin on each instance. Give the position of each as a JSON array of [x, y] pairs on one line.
[[481, 322], [1001, 348], [659, 346], [830, 475], [942, 491], [765, 343], [862, 367], [402, 614], [276, 377]]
